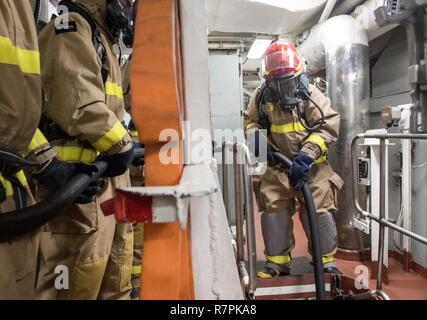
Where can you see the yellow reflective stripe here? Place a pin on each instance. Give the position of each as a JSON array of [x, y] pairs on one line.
[[38, 140], [320, 160], [287, 128], [329, 259], [318, 140], [112, 137], [7, 185], [133, 133], [279, 259], [113, 89], [27, 60], [76, 154], [22, 178], [136, 270]]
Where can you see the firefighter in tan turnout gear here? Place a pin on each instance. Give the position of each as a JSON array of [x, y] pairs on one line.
[[296, 119], [20, 110], [83, 104], [137, 180]]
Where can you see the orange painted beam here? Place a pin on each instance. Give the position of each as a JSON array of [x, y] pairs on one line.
[[156, 106]]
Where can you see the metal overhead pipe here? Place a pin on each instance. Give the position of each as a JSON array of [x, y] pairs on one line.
[[330, 5], [346, 7], [334, 33], [340, 46], [365, 16], [314, 231]]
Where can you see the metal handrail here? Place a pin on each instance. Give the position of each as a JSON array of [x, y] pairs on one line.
[[244, 210], [249, 215], [238, 207], [225, 157], [381, 219]]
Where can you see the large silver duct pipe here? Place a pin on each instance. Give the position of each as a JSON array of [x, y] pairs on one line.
[[340, 46]]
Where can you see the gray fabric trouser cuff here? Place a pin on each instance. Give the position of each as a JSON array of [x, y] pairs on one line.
[[277, 233], [328, 233]]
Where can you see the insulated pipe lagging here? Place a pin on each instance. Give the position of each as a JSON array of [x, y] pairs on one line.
[[340, 46], [314, 231], [336, 32]]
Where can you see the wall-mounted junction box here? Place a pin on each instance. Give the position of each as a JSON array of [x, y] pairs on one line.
[[364, 171]]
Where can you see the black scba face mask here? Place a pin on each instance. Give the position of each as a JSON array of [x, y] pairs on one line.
[[120, 21], [288, 92]]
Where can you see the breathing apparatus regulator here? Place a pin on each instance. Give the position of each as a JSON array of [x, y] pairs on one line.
[[120, 20], [286, 85]]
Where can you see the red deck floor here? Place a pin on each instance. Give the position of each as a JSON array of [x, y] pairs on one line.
[[402, 285]]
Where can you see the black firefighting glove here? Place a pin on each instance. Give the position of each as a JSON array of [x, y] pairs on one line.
[[140, 159], [89, 194], [118, 163], [298, 173], [56, 174]]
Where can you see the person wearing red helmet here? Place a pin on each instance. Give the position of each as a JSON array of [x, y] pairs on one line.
[[293, 117]]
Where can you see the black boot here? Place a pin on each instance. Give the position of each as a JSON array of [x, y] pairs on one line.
[[274, 270]]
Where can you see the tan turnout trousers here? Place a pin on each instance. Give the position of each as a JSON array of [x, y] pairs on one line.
[[96, 251], [20, 109]]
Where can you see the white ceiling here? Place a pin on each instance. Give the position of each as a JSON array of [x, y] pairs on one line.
[[291, 5], [286, 17]]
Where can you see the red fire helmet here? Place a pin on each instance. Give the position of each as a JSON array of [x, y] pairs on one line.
[[281, 60]]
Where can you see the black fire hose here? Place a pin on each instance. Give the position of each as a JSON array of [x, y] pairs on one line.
[[20, 222], [314, 231]]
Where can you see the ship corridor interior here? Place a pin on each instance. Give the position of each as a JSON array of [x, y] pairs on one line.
[[196, 67]]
